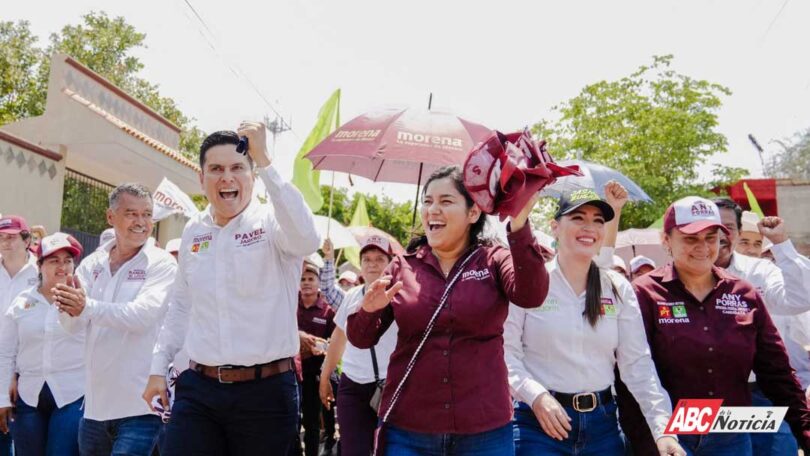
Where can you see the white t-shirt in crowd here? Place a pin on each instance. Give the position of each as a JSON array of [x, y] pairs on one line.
[[357, 363]]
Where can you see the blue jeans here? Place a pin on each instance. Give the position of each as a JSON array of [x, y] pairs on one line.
[[497, 442], [46, 429], [775, 444], [592, 433], [5, 444], [131, 436], [717, 445], [258, 417]]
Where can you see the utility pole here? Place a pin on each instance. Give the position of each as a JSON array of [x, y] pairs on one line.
[[276, 127]]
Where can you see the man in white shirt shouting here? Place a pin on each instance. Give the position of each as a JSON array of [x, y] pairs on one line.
[[234, 305], [125, 285]]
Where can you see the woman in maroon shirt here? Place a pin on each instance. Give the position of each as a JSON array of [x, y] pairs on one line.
[[456, 398], [708, 330]]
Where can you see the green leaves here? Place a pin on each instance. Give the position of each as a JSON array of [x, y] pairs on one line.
[[656, 126]]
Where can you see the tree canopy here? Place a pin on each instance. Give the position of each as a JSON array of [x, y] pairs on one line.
[[656, 126]]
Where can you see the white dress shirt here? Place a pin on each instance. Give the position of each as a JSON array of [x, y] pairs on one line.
[[122, 315], [785, 289], [236, 293], [782, 285], [33, 343], [24, 279], [554, 348], [356, 361]]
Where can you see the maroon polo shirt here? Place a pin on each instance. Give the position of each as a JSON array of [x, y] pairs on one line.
[[459, 383], [319, 321], [706, 350]]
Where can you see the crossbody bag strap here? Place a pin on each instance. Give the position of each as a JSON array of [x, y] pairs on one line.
[[428, 330]]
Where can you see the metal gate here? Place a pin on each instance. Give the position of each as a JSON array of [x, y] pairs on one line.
[[84, 208]]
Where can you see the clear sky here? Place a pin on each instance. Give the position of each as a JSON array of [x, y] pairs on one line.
[[501, 63]]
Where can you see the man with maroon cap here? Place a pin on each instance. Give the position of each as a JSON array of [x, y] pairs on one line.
[[316, 322], [18, 271], [708, 330]]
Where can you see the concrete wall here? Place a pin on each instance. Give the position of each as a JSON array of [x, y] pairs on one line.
[[793, 199], [31, 185], [171, 227]]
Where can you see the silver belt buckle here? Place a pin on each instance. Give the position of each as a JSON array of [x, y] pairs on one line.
[[219, 373], [585, 410]]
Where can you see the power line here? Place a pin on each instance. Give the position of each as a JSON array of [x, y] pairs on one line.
[[773, 21], [278, 128]]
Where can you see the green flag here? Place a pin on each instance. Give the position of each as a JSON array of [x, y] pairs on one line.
[[658, 223], [752, 201], [304, 177], [360, 218]]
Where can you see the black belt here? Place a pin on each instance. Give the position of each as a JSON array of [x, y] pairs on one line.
[[584, 402]]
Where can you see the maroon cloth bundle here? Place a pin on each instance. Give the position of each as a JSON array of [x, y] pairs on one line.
[[505, 170]]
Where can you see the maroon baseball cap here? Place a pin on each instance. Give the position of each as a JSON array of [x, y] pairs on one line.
[[13, 224], [59, 241], [376, 241], [692, 215]]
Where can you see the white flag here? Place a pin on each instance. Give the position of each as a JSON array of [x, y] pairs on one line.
[[169, 199]]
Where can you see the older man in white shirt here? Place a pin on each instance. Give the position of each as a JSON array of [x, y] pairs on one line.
[[234, 306], [125, 284]]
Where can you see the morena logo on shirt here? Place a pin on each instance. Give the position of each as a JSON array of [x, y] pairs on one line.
[[97, 271], [475, 275], [29, 304], [608, 309], [672, 312], [320, 321], [249, 238], [200, 243]]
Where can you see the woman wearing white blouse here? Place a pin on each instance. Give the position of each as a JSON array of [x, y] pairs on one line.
[[50, 362], [561, 356]]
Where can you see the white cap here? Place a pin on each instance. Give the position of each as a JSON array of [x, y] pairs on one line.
[[349, 276], [106, 236], [59, 241], [749, 222], [619, 263], [376, 241], [691, 215], [640, 261], [173, 245]]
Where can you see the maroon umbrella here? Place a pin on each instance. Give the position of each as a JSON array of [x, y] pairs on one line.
[[398, 144]]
